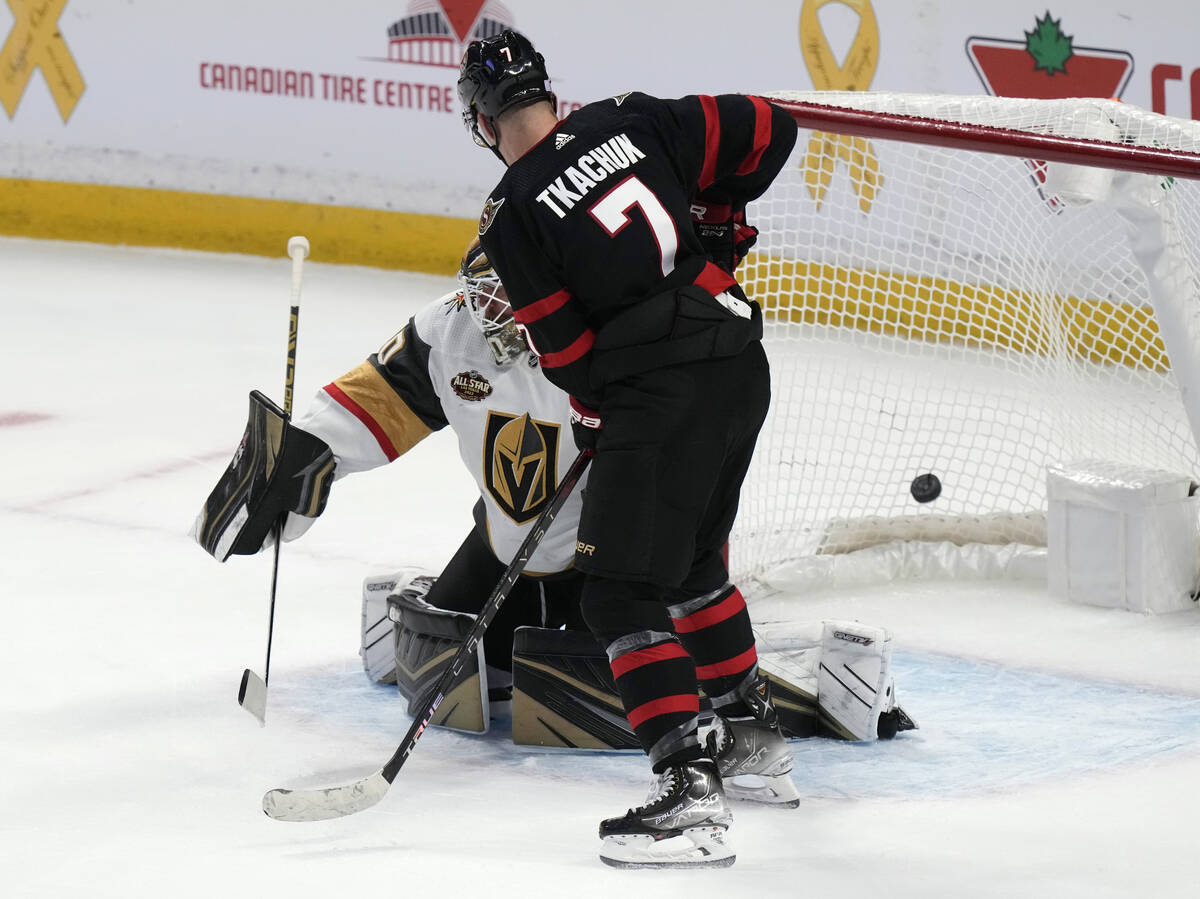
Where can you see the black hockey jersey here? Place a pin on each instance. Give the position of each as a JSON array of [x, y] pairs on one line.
[[596, 218]]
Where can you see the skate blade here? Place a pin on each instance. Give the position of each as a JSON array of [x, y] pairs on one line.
[[778, 791], [694, 847]]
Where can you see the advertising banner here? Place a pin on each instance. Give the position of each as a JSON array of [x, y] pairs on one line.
[[355, 105]]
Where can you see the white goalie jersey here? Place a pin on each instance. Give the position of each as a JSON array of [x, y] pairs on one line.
[[512, 425]]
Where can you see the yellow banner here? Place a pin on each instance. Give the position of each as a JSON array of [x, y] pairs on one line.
[[35, 43], [855, 73]]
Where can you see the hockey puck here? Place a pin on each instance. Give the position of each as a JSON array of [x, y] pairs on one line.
[[926, 488]]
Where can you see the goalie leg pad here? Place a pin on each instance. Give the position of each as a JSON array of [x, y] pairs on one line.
[[564, 695], [377, 648], [854, 682], [277, 468], [795, 706], [426, 640]]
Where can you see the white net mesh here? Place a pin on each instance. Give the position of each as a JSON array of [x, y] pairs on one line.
[[972, 315]]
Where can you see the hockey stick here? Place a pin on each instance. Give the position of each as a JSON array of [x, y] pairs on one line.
[[336, 802], [252, 692]]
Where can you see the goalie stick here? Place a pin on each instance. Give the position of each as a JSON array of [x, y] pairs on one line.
[[336, 802], [252, 692]]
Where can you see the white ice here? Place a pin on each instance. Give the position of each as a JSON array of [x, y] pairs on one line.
[[1058, 753]]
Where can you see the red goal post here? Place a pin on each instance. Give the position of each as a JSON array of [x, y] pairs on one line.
[[973, 287]]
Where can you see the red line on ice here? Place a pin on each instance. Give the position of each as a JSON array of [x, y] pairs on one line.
[[11, 419], [147, 474]]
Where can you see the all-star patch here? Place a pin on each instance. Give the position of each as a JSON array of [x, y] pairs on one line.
[[490, 208], [471, 386], [561, 140]]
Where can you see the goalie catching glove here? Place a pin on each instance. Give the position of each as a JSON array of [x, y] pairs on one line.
[[721, 226], [278, 468]]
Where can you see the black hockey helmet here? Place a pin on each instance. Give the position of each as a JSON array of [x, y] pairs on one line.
[[498, 73]]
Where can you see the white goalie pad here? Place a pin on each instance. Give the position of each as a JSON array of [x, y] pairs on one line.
[[377, 650], [854, 680], [798, 660]]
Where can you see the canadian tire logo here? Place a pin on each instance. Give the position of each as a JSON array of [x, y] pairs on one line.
[[1048, 65]]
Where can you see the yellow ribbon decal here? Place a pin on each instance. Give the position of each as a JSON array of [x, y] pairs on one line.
[[33, 43], [824, 148]]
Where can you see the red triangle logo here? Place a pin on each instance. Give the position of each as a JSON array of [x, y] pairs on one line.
[[1007, 69], [461, 14]]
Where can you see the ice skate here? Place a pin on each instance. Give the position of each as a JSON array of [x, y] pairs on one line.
[[752, 754], [682, 824]]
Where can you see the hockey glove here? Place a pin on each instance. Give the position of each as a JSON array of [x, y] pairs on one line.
[[277, 469], [722, 229], [585, 425]]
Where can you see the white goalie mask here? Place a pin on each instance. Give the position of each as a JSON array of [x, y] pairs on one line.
[[485, 296]]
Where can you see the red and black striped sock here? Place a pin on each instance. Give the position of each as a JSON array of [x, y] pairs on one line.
[[656, 679], [716, 631]]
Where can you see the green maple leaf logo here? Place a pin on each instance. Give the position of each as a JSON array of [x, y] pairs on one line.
[[1048, 46]]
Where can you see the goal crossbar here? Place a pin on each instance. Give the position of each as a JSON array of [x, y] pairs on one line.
[[989, 139]]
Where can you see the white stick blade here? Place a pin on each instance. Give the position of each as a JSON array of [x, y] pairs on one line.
[[321, 805], [252, 696]]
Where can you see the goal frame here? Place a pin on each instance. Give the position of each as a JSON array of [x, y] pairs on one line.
[[835, 119]]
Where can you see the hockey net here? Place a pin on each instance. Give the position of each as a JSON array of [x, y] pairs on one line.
[[972, 287]]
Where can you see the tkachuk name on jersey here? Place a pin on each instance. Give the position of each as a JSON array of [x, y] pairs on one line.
[[615, 154]]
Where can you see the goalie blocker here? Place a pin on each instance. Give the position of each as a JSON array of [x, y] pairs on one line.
[[276, 469], [562, 687]]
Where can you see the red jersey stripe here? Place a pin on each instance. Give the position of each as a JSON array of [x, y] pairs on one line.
[[683, 702], [762, 136], [736, 665], [578, 348], [342, 399], [710, 615], [651, 654], [714, 279], [712, 140], [543, 307]]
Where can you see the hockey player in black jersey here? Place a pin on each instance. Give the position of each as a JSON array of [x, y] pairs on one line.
[[616, 232]]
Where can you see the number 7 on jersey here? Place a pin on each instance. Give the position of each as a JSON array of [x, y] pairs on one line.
[[612, 212]]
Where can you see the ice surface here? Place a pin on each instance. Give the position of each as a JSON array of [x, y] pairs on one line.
[[1058, 755]]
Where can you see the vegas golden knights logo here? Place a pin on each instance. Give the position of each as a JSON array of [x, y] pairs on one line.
[[520, 463]]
